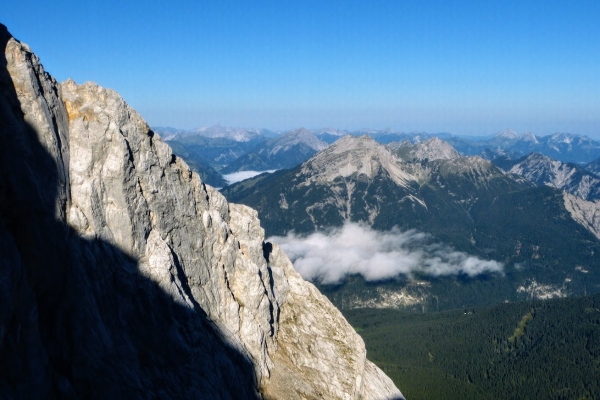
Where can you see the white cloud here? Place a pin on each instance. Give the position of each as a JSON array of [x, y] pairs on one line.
[[356, 249], [241, 175]]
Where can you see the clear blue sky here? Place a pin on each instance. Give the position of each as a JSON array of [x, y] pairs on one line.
[[465, 67]]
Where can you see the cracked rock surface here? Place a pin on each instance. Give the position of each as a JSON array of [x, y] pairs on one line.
[[124, 276]]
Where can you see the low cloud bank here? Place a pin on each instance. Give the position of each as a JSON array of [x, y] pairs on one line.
[[329, 256], [241, 175]]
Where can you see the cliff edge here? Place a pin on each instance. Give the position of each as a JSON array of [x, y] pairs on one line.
[[124, 276]]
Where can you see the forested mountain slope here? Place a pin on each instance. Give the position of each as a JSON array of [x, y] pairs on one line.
[[532, 350], [464, 202]]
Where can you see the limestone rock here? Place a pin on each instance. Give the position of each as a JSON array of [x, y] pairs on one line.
[[125, 276], [584, 212], [360, 155], [544, 170], [319, 348], [432, 149]]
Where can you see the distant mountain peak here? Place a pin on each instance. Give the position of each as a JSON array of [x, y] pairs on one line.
[[529, 137], [431, 149], [434, 149], [507, 134], [355, 154], [563, 138], [351, 143], [237, 134], [215, 131], [539, 156], [329, 131], [295, 137], [284, 151]]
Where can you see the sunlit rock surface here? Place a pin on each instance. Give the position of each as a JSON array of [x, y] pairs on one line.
[[544, 170], [586, 213], [429, 150], [124, 276]]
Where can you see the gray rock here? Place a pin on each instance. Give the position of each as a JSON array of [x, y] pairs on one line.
[[544, 170], [125, 276], [586, 213], [429, 150]]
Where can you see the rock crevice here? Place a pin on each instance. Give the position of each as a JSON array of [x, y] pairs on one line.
[[125, 276]]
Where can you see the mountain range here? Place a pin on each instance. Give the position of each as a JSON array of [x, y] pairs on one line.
[[124, 274], [214, 132], [218, 150], [208, 150], [285, 151], [464, 202], [564, 147]]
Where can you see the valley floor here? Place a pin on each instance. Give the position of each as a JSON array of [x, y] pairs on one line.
[[531, 350]]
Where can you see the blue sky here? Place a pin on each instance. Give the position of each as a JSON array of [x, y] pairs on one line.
[[465, 67]]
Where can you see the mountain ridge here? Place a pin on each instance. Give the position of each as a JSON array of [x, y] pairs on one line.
[[125, 276], [464, 202], [430, 149], [544, 170], [217, 149], [285, 151]]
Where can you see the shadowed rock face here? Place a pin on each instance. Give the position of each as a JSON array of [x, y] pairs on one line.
[[122, 275]]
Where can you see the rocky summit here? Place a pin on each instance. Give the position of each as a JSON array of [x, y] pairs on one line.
[[431, 149], [124, 276]]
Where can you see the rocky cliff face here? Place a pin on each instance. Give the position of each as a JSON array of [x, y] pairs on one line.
[[124, 276], [586, 213], [572, 178]]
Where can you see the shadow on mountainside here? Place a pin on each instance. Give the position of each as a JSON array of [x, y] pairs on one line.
[[77, 318]]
